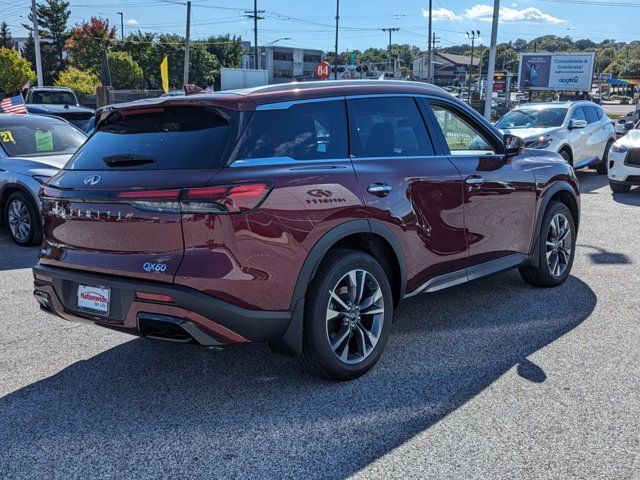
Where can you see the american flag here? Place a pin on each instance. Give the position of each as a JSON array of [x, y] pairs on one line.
[[13, 105]]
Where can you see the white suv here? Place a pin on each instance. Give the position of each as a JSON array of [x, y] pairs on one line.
[[624, 160], [579, 131]]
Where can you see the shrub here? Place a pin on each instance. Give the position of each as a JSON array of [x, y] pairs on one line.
[[83, 83], [14, 71], [125, 71]]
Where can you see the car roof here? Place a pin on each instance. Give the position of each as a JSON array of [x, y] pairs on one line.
[[65, 89], [28, 119], [249, 98], [566, 104]]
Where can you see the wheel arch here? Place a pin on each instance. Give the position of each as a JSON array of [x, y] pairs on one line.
[[370, 236], [560, 192], [6, 191], [565, 146]]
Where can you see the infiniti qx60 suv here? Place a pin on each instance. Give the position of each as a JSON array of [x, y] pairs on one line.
[[298, 215]]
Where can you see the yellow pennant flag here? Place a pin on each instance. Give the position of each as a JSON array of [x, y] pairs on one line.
[[164, 74]]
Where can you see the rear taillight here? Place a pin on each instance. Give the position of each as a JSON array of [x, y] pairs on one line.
[[219, 199]]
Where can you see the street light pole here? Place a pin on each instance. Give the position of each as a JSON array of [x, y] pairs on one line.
[[121, 25], [335, 66], [473, 36], [430, 46], [187, 45], [492, 60], [36, 40]]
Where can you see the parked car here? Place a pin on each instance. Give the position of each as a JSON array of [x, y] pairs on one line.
[[270, 215], [32, 149], [624, 160], [59, 101], [579, 131]]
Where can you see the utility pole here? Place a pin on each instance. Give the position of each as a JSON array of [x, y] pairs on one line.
[[473, 36], [335, 66], [121, 26], [390, 30], [626, 61], [36, 40], [492, 60], [187, 44], [430, 46], [255, 14]]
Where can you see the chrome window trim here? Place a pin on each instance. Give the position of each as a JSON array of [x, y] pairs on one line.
[[290, 103], [285, 160]]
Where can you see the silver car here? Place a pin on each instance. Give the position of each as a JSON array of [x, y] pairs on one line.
[[33, 148]]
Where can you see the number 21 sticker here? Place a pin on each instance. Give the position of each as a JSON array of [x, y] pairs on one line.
[[7, 136]]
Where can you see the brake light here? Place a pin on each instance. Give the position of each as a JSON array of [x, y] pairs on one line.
[[224, 198], [219, 199]]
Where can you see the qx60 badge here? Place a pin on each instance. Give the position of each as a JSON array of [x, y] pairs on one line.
[[92, 180]]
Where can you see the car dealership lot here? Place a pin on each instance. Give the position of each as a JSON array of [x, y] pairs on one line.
[[494, 379]]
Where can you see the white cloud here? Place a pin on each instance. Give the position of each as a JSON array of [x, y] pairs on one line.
[[441, 14], [484, 13], [132, 21]]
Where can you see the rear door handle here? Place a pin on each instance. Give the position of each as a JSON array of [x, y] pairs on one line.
[[379, 189], [474, 180]]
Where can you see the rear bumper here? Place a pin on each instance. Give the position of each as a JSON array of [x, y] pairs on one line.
[[206, 320]]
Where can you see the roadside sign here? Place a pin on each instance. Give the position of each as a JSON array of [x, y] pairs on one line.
[[556, 71], [353, 59], [322, 70]]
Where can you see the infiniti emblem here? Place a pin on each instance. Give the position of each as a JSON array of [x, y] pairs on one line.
[[92, 180]]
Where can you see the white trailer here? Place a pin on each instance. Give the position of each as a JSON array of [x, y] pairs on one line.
[[233, 78]]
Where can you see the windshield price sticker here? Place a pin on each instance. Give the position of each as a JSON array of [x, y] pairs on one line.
[[7, 136], [44, 141]]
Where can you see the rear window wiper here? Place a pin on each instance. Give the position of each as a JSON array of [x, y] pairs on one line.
[[127, 159]]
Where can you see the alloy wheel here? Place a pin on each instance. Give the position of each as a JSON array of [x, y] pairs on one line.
[[19, 220], [355, 316], [558, 246]]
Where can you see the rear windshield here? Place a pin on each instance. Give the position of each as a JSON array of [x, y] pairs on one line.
[[46, 136], [158, 138], [53, 98]]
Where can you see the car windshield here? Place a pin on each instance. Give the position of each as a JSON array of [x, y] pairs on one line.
[[47, 136], [533, 118], [53, 98]]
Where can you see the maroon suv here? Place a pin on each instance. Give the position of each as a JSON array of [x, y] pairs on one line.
[[298, 215]]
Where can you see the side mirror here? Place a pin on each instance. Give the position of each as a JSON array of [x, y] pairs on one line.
[[513, 145], [573, 124], [628, 126]]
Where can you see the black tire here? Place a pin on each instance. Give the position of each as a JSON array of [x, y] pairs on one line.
[[34, 235], [542, 276], [317, 354], [566, 155], [603, 167], [619, 187]]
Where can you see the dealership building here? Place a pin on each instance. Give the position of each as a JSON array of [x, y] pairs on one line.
[[447, 68]]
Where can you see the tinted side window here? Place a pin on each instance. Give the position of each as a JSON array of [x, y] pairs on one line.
[[461, 136], [388, 127], [305, 131], [578, 114], [592, 115]]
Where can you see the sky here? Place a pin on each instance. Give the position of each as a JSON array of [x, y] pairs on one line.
[[311, 23]]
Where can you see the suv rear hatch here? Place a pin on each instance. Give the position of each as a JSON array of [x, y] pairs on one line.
[[116, 206]]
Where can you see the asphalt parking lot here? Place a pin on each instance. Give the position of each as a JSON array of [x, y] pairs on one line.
[[489, 380]]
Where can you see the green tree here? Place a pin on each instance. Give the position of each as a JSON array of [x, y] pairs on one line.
[[6, 41], [52, 26], [88, 43], [83, 83], [203, 66], [14, 71], [140, 46], [125, 72], [227, 50]]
